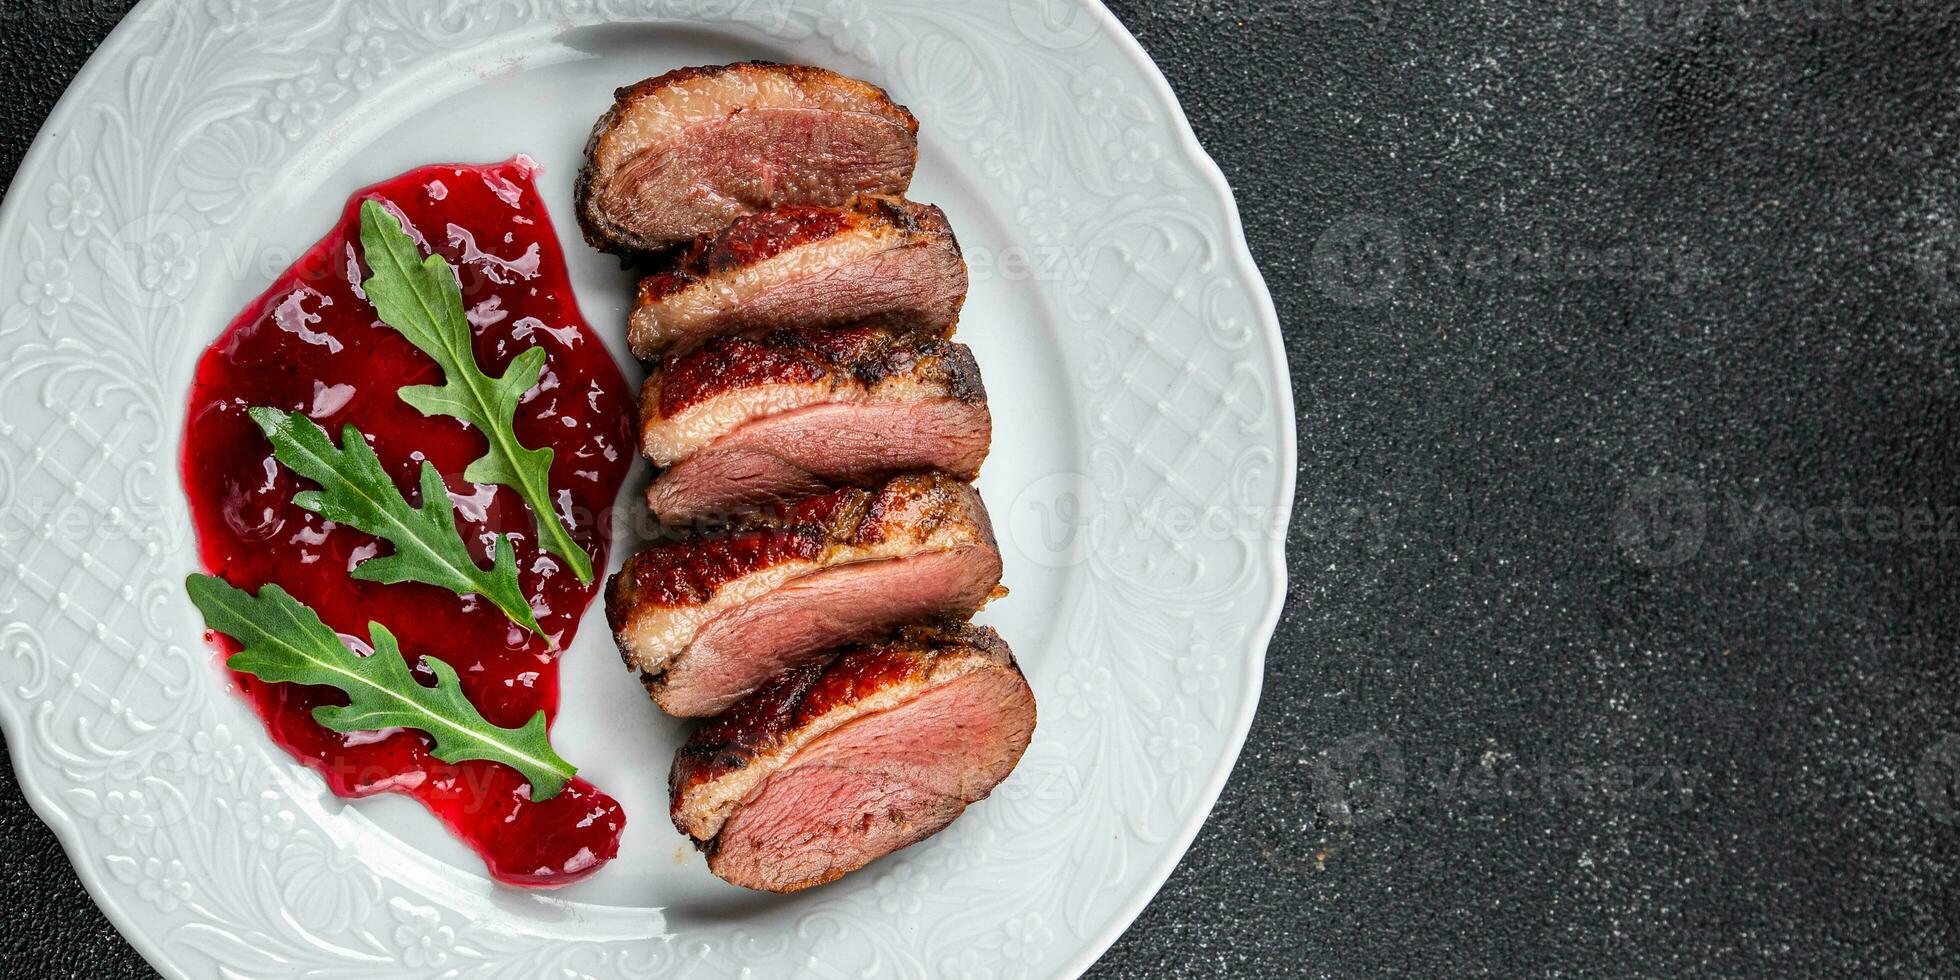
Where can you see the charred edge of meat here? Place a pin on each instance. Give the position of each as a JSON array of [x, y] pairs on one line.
[[963, 375], [618, 588], [916, 220], [866, 355], [592, 221]]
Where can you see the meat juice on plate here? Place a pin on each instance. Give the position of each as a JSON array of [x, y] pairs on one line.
[[314, 344]]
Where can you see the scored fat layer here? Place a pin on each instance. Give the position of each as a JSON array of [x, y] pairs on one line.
[[703, 394], [748, 240], [806, 702], [756, 238], [885, 260], [861, 356], [691, 572]]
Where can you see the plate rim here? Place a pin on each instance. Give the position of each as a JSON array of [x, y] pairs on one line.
[[110, 53], [1287, 466]]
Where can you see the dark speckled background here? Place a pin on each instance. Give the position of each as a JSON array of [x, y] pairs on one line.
[[1622, 635]]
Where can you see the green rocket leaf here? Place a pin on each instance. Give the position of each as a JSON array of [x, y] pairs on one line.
[[420, 299], [283, 641], [356, 491]]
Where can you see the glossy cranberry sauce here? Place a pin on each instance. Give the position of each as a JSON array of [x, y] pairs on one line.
[[313, 343]]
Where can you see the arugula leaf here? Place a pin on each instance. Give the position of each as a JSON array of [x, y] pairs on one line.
[[356, 491], [283, 641], [420, 299]]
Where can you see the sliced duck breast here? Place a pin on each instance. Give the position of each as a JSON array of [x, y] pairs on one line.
[[878, 258], [746, 423], [831, 767], [687, 152], [709, 619]]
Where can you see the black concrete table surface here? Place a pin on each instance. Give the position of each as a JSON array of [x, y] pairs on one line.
[[1621, 635]]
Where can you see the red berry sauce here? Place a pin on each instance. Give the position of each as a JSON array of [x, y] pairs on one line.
[[313, 343]]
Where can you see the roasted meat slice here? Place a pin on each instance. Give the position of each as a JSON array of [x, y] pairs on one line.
[[831, 767], [881, 259], [707, 620], [747, 423], [687, 152]]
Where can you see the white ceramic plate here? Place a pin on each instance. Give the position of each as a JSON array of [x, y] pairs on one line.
[[1141, 480]]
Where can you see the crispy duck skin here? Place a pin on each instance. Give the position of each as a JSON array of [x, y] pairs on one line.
[[831, 767], [746, 423], [707, 620], [876, 259], [685, 153]]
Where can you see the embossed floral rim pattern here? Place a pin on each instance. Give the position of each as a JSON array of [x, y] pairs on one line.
[[208, 851]]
